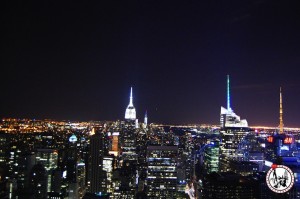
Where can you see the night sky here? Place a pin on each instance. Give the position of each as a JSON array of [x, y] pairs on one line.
[[76, 60]]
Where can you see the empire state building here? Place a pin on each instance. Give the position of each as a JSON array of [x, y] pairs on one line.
[[130, 113]]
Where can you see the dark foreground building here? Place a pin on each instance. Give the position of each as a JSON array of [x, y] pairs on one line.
[[229, 185]]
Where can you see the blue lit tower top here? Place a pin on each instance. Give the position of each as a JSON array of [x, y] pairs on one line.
[[228, 94], [73, 139], [130, 113], [228, 117]]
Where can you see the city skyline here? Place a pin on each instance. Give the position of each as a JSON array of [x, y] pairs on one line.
[[77, 61], [133, 117]]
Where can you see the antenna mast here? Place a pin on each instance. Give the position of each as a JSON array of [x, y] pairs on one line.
[[280, 114], [228, 94]]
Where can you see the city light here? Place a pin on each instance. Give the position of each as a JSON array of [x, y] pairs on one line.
[[126, 159]]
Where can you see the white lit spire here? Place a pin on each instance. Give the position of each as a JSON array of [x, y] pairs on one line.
[[130, 98], [146, 119], [130, 113]]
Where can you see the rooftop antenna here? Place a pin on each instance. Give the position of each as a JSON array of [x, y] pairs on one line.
[[280, 114], [228, 94], [130, 101]]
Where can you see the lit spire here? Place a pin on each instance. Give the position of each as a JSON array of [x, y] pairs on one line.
[[280, 114], [146, 118], [130, 113], [130, 98], [228, 94]]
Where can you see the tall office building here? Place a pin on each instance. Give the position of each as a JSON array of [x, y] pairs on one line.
[[211, 157], [114, 147], [125, 180], [108, 162], [19, 165], [128, 153], [81, 178], [228, 117], [56, 181], [230, 185], [231, 138], [128, 142], [128, 160], [25, 163], [4, 144], [39, 182], [97, 174], [48, 158], [128, 134], [233, 129], [162, 173], [130, 113], [72, 160]]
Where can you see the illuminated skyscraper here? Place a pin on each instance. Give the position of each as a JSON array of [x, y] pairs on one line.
[[128, 142], [4, 143], [229, 185], [71, 160], [212, 153], [130, 113], [114, 147], [38, 180], [48, 158], [162, 173], [97, 174], [72, 174], [228, 117], [233, 129]]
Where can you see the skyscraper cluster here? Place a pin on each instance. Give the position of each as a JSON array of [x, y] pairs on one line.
[[128, 159]]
